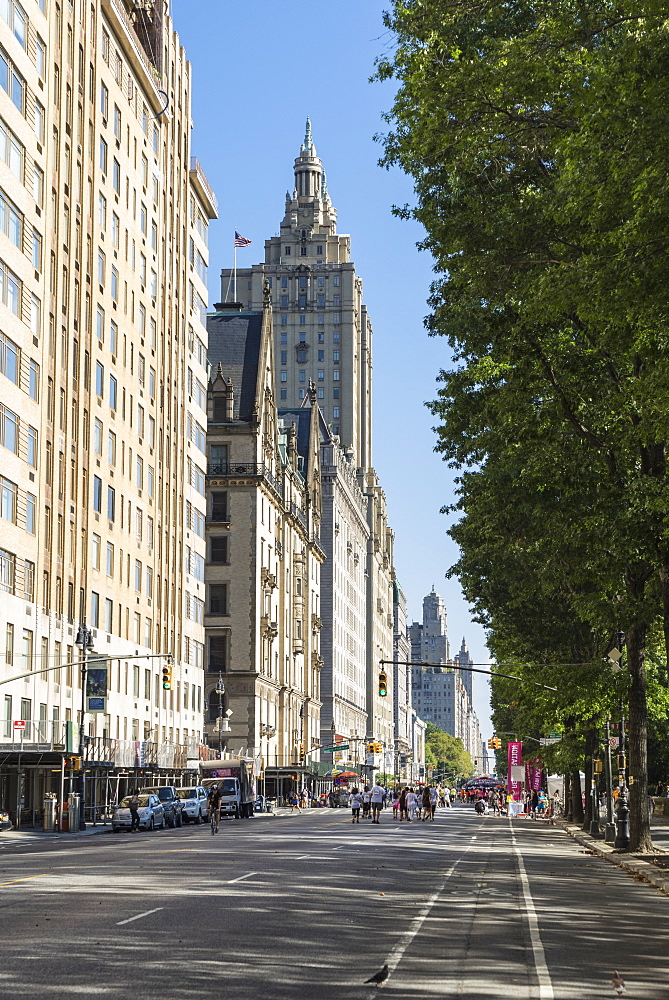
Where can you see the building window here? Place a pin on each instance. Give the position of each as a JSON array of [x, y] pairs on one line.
[[303, 376], [9, 429], [7, 573], [9, 359], [8, 491], [284, 394], [284, 301], [286, 251], [321, 355], [218, 599], [335, 413], [32, 447], [113, 392], [99, 379], [321, 374], [103, 155], [11, 220], [95, 609], [284, 357], [218, 550], [335, 357], [12, 81], [111, 503], [219, 506], [335, 375], [284, 376], [10, 289], [31, 513], [321, 392], [218, 653]]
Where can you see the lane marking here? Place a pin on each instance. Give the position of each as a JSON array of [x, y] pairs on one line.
[[400, 948], [539, 955], [241, 878], [26, 878], [138, 916]]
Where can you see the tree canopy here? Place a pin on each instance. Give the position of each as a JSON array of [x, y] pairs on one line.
[[535, 134]]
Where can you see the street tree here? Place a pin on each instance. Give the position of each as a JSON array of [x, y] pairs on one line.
[[535, 135]]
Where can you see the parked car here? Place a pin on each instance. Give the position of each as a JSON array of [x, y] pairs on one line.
[[193, 803], [151, 814], [171, 803], [5, 821]]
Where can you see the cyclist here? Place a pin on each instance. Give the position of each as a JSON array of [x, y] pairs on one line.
[[214, 804]]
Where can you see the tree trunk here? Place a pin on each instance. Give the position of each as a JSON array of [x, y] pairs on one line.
[[576, 800], [567, 797], [664, 590], [640, 837]]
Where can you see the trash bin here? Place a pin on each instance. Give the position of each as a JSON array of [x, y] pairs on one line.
[[73, 812], [49, 814], [269, 805]]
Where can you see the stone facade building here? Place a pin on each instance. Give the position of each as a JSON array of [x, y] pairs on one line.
[[402, 706], [103, 388], [264, 554], [323, 335]]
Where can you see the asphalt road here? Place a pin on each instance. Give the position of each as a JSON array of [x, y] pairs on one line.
[[310, 906]]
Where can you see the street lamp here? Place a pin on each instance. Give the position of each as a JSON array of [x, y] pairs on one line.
[[85, 642], [220, 691]]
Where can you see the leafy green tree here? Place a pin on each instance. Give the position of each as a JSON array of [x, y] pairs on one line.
[[536, 137], [447, 752]]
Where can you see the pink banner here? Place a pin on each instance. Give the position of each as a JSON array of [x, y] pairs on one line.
[[533, 775], [514, 759]]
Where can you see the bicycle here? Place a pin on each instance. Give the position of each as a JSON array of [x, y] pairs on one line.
[[212, 820]]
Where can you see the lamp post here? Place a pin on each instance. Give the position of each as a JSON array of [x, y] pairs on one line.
[[85, 642], [220, 691]]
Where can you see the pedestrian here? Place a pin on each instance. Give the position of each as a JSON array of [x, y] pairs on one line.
[[404, 812], [355, 802], [556, 803], [376, 801], [535, 803], [542, 803], [412, 801], [294, 802], [434, 798], [366, 799], [425, 803], [396, 804], [134, 810], [305, 798]]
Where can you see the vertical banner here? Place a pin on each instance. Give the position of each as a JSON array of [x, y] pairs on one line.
[[533, 775], [96, 684], [514, 760]]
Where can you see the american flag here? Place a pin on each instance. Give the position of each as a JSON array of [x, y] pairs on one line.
[[241, 241]]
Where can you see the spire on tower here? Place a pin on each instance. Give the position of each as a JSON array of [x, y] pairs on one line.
[[308, 144]]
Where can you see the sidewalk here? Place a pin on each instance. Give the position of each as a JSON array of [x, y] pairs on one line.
[[641, 866]]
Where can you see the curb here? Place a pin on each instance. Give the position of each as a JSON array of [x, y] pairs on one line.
[[642, 870]]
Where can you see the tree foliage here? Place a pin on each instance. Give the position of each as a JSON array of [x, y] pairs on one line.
[[535, 134], [447, 752]]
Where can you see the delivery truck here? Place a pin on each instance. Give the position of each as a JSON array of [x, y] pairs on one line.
[[236, 781]]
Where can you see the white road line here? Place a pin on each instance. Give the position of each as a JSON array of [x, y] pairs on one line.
[[241, 878], [398, 951], [139, 916], [543, 975]]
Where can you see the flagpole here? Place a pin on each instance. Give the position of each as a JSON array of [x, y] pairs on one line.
[[235, 269]]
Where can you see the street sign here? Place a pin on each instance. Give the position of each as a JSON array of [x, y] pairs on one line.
[[614, 741], [20, 724], [547, 741], [339, 746]]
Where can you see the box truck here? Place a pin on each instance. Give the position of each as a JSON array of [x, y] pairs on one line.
[[236, 781]]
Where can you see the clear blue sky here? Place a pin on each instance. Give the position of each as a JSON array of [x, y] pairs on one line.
[[258, 70]]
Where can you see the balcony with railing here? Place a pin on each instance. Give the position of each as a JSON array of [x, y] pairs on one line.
[[245, 470]]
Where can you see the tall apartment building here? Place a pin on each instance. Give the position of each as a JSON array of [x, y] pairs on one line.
[[264, 556], [103, 257], [323, 335], [441, 693]]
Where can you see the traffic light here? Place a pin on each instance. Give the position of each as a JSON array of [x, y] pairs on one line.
[[494, 743], [378, 748], [622, 762], [74, 763], [167, 677], [302, 754], [597, 766], [370, 748], [383, 684]]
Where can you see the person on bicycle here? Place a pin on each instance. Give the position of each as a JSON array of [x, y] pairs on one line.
[[214, 804]]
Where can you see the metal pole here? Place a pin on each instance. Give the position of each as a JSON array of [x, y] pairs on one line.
[[82, 743], [610, 832], [622, 841]]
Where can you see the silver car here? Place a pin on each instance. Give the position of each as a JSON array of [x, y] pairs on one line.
[[193, 803], [150, 810]]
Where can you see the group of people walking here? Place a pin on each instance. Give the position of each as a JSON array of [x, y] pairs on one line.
[[408, 803]]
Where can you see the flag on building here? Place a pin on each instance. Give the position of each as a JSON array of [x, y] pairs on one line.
[[241, 241]]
